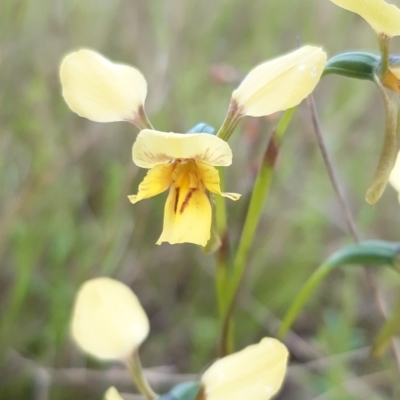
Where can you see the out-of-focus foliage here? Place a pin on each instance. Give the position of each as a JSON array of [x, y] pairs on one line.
[[65, 216]]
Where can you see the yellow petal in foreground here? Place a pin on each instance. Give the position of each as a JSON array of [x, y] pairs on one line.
[[394, 178], [108, 322], [155, 147], [384, 18], [112, 394], [257, 372], [281, 83], [97, 89]]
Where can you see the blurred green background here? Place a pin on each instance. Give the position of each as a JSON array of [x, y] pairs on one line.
[[65, 217]]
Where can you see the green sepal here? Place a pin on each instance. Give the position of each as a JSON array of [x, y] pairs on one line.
[[369, 252], [354, 64], [182, 391]]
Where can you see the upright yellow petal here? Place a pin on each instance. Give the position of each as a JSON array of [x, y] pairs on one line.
[[394, 178], [187, 217], [384, 18], [97, 89], [281, 83], [155, 147], [112, 394], [108, 321], [257, 372], [210, 178], [157, 180]]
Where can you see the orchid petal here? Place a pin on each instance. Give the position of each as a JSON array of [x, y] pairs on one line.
[[384, 18], [281, 83], [157, 180], [154, 147], [187, 217], [97, 89], [256, 372]]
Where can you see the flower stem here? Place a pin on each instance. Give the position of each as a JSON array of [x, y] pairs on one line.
[[231, 120], [258, 198], [135, 368], [222, 267], [384, 46]]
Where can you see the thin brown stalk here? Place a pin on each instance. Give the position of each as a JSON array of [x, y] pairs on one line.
[[351, 224]]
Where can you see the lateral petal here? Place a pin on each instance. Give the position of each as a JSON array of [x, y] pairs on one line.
[[210, 178], [281, 83], [187, 217], [97, 89], [157, 180], [155, 147]]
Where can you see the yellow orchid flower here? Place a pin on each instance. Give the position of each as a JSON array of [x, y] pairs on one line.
[[256, 373], [108, 321], [100, 90], [185, 163], [384, 18], [280, 83]]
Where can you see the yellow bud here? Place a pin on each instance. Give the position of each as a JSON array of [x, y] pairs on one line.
[[108, 321], [112, 394], [255, 372], [281, 83]]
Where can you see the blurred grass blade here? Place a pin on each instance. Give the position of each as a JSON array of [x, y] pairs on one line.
[[374, 253], [183, 391], [390, 328]]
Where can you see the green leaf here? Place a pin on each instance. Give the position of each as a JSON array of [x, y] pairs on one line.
[[374, 253], [183, 391], [354, 64]]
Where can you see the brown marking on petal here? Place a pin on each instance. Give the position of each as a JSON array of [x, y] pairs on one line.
[[187, 198], [176, 199]]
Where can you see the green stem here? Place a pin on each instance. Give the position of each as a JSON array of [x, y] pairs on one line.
[[302, 297], [384, 46], [135, 368], [231, 120], [222, 254], [389, 151], [222, 267], [257, 201]]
